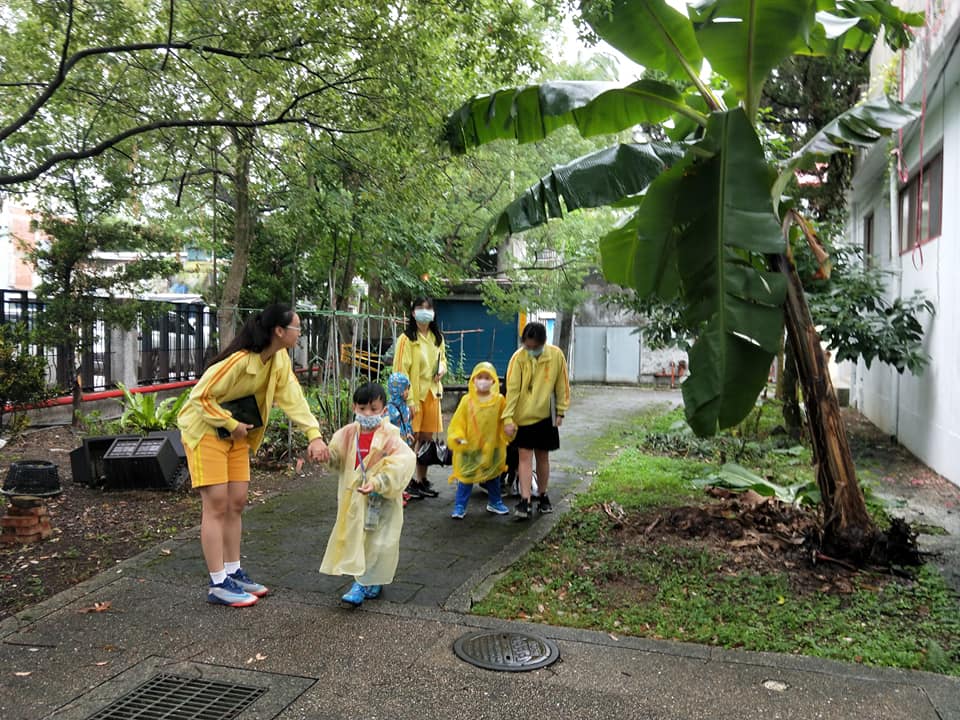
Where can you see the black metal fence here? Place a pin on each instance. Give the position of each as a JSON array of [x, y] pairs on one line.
[[175, 341], [170, 342]]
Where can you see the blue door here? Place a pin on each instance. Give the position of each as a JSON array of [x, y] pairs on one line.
[[474, 335]]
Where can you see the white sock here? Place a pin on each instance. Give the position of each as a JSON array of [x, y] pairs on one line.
[[218, 577], [231, 567]]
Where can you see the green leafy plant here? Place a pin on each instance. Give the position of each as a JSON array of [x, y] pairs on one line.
[[738, 478], [724, 256], [23, 376], [142, 413], [279, 445], [94, 423]]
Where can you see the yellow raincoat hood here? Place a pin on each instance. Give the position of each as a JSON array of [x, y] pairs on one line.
[[476, 432]]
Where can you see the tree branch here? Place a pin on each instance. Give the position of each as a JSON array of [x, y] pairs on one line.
[[68, 64], [107, 144], [66, 38]]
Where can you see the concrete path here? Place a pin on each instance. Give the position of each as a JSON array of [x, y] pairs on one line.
[[393, 658]]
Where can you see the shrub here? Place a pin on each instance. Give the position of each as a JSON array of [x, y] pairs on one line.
[[23, 377]]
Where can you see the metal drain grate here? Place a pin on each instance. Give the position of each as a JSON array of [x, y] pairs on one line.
[[172, 697], [506, 651]]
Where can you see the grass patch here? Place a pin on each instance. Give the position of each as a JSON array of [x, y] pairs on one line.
[[593, 573], [578, 578]]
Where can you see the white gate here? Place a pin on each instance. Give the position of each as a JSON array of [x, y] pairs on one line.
[[606, 354]]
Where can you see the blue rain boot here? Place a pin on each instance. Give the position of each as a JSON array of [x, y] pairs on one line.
[[461, 500], [371, 591], [495, 499], [355, 595]]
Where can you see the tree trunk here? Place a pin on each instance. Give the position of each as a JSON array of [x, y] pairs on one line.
[[847, 528], [566, 332], [787, 393], [242, 235]]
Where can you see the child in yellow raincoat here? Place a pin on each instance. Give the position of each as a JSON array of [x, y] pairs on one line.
[[375, 465], [478, 441]]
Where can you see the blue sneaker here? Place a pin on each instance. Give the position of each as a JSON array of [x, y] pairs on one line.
[[498, 508], [248, 585], [372, 591], [355, 595], [229, 593], [459, 512]]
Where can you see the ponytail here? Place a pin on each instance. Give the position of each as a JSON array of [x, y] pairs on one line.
[[257, 330]]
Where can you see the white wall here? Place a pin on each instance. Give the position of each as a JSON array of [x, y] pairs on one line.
[[923, 412]]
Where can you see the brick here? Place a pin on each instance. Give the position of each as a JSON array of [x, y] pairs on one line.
[[28, 530], [45, 532], [17, 522], [28, 512], [20, 539]]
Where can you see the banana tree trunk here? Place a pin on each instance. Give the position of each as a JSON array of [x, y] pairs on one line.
[[847, 529]]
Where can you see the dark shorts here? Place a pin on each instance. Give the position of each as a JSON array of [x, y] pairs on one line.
[[539, 436]]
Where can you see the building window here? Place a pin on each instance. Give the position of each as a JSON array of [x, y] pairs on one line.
[[868, 249], [921, 203]]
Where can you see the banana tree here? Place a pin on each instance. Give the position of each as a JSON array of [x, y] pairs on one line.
[[706, 220]]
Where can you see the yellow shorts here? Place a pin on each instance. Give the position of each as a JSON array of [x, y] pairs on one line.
[[428, 419], [215, 461]]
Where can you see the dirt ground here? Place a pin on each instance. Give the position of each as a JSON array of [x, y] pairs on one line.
[[759, 534], [94, 529]]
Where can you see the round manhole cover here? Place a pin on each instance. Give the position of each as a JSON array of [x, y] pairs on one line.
[[509, 652]]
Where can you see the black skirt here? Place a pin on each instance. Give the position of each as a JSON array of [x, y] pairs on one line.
[[539, 436]]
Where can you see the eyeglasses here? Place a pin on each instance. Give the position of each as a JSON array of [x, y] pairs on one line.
[[294, 327]]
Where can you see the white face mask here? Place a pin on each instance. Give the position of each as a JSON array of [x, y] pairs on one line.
[[423, 316], [483, 385]]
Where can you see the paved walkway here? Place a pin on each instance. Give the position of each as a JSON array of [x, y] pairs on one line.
[[393, 658]]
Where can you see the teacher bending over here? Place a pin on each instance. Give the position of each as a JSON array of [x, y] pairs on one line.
[[254, 369]]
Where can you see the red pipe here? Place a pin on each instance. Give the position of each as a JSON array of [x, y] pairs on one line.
[[102, 395], [108, 394]]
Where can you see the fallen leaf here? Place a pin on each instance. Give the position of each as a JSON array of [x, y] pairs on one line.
[[101, 664], [97, 607], [165, 551], [24, 674]]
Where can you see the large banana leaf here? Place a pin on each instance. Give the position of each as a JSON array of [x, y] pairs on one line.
[[860, 126], [641, 252], [598, 179], [650, 33], [531, 113], [744, 40], [855, 24], [726, 221]]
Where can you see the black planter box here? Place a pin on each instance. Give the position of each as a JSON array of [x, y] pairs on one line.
[[86, 461], [141, 463]]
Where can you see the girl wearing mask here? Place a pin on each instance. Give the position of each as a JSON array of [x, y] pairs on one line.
[[538, 395], [421, 355]]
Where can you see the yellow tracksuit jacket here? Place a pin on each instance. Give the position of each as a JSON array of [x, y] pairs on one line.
[[532, 383], [244, 373]]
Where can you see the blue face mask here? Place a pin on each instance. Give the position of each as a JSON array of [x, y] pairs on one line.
[[535, 353], [423, 316], [368, 422]]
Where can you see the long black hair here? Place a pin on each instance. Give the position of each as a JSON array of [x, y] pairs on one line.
[[411, 331], [257, 330]]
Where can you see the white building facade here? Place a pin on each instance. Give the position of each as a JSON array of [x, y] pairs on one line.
[[904, 212]]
